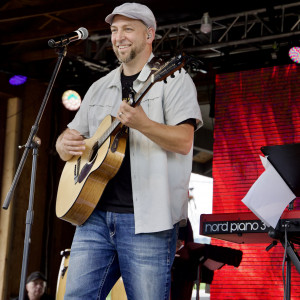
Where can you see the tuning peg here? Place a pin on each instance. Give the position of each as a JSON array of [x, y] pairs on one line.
[[179, 70], [165, 80], [172, 76]]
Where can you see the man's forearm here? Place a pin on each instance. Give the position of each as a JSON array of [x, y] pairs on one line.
[[177, 138]]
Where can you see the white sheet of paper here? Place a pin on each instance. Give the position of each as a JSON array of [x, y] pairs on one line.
[[269, 195]]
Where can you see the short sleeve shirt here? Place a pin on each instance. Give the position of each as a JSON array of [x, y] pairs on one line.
[[160, 179]]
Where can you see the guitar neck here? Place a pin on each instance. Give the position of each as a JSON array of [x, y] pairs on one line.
[[108, 132], [142, 92]]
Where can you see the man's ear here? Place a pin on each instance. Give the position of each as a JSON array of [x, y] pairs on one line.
[[150, 34]]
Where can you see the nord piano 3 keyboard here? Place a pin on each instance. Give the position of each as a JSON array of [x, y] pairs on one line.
[[247, 228]]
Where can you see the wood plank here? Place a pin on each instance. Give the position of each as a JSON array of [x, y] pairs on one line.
[[9, 166], [14, 37], [53, 8]]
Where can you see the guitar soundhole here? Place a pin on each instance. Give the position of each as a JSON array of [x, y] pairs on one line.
[[76, 170], [94, 152], [88, 166]]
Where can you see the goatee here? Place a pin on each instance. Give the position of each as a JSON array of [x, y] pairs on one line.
[[126, 59]]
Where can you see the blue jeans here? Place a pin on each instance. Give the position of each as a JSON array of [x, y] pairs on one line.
[[105, 247]]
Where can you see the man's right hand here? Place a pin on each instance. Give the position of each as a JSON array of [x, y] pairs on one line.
[[70, 143]]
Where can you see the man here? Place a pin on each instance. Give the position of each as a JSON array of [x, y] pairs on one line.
[[35, 287], [132, 233]]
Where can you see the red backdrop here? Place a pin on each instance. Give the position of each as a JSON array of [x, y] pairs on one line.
[[252, 109]]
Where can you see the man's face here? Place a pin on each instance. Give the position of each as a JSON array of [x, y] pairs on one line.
[[129, 38], [35, 288]]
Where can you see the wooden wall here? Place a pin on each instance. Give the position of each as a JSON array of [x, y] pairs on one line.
[[49, 234]]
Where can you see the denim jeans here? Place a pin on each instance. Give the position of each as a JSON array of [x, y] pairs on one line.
[[105, 247]]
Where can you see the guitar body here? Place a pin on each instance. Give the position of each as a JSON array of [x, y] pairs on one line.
[[76, 199]]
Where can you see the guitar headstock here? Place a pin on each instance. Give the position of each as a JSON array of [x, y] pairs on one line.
[[170, 67], [160, 71], [156, 63]]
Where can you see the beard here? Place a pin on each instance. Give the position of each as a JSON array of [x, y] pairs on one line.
[[127, 58], [132, 54]]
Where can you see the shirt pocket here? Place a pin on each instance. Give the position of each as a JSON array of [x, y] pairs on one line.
[[152, 104], [96, 114]]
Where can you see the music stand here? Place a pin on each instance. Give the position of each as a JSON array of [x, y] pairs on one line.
[[286, 161]]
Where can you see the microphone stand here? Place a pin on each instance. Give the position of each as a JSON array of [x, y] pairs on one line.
[[33, 142]]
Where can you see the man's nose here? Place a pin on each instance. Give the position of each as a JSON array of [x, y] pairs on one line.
[[119, 35]]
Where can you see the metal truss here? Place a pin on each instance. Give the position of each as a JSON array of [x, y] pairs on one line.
[[234, 33], [244, 32], [240, 32]]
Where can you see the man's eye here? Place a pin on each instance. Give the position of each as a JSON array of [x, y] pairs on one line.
[[128, 29]]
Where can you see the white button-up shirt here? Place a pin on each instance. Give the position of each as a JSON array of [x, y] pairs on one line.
[[160, 179]]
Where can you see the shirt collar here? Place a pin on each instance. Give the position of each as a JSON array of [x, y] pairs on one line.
[[145, 71], [141, 78], [116, 77]]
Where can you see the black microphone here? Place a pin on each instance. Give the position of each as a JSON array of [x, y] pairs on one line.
[[80, 34]]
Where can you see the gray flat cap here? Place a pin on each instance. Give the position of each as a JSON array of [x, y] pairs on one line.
[[134, 11]]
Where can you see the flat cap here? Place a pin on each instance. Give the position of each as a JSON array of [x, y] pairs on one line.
[[35, 275], [134, 11]]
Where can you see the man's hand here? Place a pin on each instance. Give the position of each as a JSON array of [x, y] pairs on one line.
[[70, 143], [178, 138], [133, 117]]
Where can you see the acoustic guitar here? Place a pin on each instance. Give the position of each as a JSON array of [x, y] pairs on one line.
[[85, 177]]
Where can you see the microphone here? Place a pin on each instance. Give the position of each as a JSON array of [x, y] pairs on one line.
[[80, 34]]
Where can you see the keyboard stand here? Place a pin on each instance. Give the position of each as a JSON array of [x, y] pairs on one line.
[[291, 255]]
